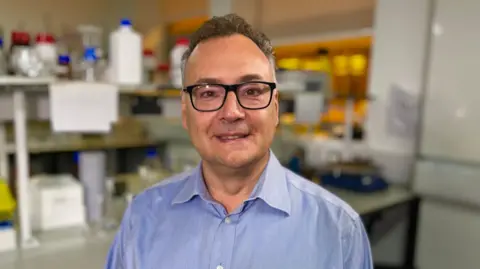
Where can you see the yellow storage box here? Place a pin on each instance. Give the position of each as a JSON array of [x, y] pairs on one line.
[[7, 203]]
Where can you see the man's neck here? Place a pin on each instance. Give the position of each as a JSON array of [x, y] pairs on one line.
[[231, 187]]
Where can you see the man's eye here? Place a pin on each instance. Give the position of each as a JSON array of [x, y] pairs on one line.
[[207, 94], [253, 92]]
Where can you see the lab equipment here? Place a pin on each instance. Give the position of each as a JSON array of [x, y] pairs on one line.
[[24, 60], [8, 237], [3, 59], [46, 50], [149, 66], [297, 161], [126, 55], [64, 69], [56, 202], [355, 176], [152, 169], [91, 36], [92, 176], [89, 60], [18, 39]]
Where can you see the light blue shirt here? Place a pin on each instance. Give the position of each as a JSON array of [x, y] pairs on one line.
[[288, 223]]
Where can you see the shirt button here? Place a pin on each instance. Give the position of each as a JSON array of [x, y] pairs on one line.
[[227, 221], [219, 267]]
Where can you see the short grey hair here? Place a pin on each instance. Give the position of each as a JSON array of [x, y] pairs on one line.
[[224, 26]]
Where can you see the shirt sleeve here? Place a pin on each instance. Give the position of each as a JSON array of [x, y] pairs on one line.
[[116, 255], [356, 247]]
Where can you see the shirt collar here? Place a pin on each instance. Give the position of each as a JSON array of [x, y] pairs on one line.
[[271, 187]]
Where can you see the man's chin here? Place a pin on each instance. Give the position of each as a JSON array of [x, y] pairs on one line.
[[236, 159]]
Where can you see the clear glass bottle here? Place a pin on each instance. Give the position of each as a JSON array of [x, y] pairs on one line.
[[89, 60], [152, 169]]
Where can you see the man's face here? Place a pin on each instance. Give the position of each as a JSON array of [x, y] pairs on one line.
[[229, 60]]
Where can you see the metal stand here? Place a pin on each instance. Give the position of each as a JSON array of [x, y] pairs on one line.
[[17, 86], [4, 165], [22, 160]]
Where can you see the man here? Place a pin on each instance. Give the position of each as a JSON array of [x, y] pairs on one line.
[[239, 208]]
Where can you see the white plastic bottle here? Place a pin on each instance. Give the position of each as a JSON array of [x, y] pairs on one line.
[[176, 62], [126, 55]]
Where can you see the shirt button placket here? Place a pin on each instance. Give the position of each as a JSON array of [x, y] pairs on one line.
[[223, 245]]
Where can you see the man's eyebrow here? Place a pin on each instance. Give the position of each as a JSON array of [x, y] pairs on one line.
[[249, 77], [208, 81], [244, 78]]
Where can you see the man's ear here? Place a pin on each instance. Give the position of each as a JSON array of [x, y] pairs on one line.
[[184, 101], [276, 107]]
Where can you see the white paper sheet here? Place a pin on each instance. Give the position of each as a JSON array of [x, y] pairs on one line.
[[308, 107], [402, 113], [83, 107]]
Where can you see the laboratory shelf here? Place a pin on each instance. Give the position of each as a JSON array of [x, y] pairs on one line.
[[83, 145]]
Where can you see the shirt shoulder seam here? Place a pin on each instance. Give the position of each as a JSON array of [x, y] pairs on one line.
[[353, 215]]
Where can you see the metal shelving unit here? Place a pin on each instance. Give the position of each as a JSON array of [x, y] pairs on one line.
[[19, 88]]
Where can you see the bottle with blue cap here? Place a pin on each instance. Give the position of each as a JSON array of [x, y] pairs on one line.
[[64, 67], [126, 55], [3, 59], [152, 170], [89, 59]]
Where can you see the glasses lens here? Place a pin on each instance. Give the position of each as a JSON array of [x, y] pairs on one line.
[[208, 97], [254, 95]]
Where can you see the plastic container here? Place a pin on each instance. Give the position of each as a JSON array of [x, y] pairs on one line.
[[162, 74], [176, 55], [149, 66], [64, 69], [47, 51], [102, 72], [126, 55], [89, 59], [152, 160], [3, 59], [7, 203], [19, 40], [152, 169]]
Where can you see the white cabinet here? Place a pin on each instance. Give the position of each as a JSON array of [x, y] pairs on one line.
[[451, 123], [448, 174]]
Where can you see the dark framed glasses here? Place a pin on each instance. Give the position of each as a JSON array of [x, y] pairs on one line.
[[252, 95]]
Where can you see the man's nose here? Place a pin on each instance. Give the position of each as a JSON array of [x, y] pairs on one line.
[[231, 110]]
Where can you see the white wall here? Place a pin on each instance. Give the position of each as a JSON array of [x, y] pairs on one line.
[[398, 60], [33, 14]]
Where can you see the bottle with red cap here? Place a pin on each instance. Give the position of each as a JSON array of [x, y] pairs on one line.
[[162, 74], [176, 55], [149, 66], [47, 51], [19, 41]]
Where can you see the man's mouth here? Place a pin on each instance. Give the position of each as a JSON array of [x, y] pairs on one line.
[[232, 137]]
